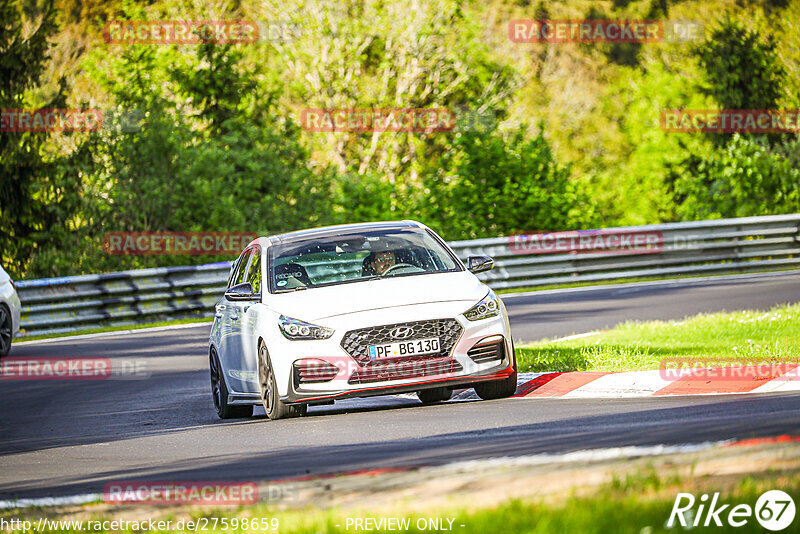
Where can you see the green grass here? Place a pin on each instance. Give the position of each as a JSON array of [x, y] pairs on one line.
[[720, 339], [118, 328]]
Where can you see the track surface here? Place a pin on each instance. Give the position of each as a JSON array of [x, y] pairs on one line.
[[70, 437]]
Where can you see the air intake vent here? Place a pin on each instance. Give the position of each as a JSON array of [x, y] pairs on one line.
[[485, 352]]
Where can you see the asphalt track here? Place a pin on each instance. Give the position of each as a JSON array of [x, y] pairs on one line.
[[73, 437]]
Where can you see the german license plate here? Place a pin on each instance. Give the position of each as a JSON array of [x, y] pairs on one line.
[[404, 348]]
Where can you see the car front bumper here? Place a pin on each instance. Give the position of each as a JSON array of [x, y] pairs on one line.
[[299, 396]]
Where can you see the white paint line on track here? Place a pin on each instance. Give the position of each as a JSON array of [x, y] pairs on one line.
[[590, 455], [112, 333], [51, 501], [576, 336], [649, 283]]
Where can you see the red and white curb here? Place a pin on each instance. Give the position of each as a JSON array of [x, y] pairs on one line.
[[670, 382]]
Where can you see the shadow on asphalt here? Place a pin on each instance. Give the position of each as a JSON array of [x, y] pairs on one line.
[[729, 417]]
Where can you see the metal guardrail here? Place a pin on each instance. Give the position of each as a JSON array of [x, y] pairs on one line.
[[752, 244]]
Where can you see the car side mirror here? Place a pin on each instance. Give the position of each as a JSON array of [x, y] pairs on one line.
[[240, 292], [479, 264]]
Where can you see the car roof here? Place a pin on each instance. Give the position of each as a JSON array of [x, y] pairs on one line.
[[327, 231]]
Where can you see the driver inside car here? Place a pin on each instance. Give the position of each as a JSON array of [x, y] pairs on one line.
[[382, 261]]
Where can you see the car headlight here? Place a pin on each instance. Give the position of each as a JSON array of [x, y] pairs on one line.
[[488, 307], [295, 329]]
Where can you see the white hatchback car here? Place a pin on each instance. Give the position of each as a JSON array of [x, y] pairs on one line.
[[358, 310], [9, 312]]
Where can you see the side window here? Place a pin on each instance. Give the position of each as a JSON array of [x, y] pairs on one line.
[[254, 270], [235, 269], [241, 269], [239, 278]]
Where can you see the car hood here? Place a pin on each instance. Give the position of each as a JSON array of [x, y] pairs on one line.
[[323, 302]]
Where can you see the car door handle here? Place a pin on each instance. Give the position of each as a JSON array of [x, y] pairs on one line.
[[234, 317], [218, 315]]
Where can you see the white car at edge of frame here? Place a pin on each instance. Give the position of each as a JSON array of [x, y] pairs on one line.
[[9, 312], [356, 310]]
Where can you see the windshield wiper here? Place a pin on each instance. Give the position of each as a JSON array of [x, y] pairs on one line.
[[298, 288]]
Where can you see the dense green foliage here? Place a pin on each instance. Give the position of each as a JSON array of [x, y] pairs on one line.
[[207, 137], [35, 182], [741, 175], [743, 71], [493, 184]]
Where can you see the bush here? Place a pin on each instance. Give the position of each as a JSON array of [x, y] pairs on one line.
[[741, 179], [497, 184]]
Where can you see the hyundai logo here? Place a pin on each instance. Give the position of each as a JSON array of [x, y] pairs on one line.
[[401, 332]]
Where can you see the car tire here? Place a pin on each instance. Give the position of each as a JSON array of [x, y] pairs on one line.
[[497, 389], [434, 395], [275, 408], [6, 330], [219, 393], [500, 389]]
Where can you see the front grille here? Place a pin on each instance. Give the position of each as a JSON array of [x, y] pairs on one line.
[[355, 342], [487, 352], [399, 370]]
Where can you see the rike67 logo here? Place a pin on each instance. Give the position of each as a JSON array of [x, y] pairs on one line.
[[774, 510]]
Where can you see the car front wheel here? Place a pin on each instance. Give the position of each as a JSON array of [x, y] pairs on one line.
[[275, 408], [219, 393], [433, 395], [497, 389]]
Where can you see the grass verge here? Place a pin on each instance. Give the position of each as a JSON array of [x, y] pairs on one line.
[[740, 338]]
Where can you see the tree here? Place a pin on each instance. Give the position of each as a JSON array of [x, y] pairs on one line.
[[499, 183], [371, 54], [741, 175], [38, 192], [208, 152], [743, 70]]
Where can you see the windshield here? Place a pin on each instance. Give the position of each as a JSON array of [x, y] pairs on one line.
[[355, 257]]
